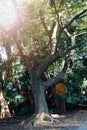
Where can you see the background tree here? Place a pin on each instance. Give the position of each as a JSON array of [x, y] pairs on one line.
[[4, 110]]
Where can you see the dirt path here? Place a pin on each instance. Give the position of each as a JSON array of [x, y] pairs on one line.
[[76, 120]]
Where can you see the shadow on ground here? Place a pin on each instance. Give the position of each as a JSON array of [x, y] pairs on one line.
[[76, 120]]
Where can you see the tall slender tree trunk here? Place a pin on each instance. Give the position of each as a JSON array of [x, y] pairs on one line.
[[3, 104]]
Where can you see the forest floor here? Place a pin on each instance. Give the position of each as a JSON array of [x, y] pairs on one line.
[[72, 120]]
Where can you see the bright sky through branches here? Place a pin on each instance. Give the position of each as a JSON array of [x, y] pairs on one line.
[[3, 53], [7, 13]]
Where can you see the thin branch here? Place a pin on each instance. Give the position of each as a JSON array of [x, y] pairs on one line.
[[71, 48], [62, 28], [54, 38], [81, 34], [52, 28], [56, 12], [67, 32], [51, 33], [44, 24], [24, 57], [74, 18], [58, 38], [83, 16], [73, 36]]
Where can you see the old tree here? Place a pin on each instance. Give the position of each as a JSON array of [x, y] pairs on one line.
[[43, 32]]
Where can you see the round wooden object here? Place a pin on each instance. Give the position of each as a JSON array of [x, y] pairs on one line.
[[60, 89]]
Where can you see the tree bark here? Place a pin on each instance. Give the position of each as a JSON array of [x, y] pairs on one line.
[[39, 94], [3, 104], [41, 113], [42, 99], [60, 104]]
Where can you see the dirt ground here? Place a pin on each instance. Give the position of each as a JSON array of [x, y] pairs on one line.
[[73, 120]]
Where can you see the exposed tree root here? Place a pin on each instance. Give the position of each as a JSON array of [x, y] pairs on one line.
[[39, 119], [55, 118]]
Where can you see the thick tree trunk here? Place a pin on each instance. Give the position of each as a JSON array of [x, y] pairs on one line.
[[42, 105], [41, 108], [39, 95]]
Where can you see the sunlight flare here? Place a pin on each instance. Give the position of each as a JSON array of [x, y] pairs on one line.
[[7, 13]]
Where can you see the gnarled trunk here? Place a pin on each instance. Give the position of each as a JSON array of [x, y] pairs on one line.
[[41, 109], [39, 95]]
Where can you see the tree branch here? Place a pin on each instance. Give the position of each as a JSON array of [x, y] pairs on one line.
[[51, 33], [25, 58], [44, 24], [62, 28], [80, 34], [52, 28], [58, 38], [67, 32], [74, 18], [58, 77], [56, 12], [55, 57]]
